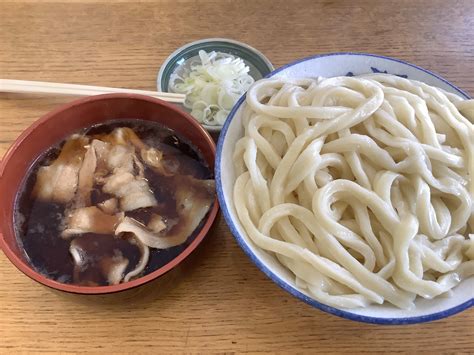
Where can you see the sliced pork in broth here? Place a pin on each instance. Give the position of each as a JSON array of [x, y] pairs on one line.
[[130, 201]]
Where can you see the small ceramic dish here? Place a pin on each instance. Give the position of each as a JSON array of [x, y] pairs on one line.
[[258, 64], [60, 123], [330, 65]]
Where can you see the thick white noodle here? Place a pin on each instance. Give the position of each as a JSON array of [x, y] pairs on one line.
[[362, 187]]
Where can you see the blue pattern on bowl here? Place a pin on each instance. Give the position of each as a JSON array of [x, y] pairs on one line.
[[377, 71]]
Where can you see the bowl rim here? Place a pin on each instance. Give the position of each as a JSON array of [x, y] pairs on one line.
[[159, 77], [29, 270], [275, 278]]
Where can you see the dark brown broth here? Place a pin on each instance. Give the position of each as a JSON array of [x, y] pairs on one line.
[[39, 224]]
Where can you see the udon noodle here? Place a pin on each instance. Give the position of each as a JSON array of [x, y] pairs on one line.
[[362, 186]]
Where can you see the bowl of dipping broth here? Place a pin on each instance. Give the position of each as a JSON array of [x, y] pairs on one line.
[[106, 193], [350, 189], [213, 74]]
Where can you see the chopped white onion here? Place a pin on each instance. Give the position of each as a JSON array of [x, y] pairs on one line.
[[212, 86]]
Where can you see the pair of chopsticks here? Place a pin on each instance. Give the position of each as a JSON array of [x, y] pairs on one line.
[[42, 87]]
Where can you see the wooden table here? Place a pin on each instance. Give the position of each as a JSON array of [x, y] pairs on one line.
[[218, 300]]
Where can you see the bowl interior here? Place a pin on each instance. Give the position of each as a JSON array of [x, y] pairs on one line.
[[259, 65], [331, 65], [60, 123]]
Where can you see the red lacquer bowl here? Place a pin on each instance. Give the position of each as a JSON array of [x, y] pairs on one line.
[[57, 125]]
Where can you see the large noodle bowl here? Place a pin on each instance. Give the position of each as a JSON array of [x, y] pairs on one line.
[[361, 187]]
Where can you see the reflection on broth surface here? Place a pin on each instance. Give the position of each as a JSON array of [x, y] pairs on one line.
[[112, 203]]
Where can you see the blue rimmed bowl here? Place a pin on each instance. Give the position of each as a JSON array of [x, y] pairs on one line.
[[329, 65], [259, 65]]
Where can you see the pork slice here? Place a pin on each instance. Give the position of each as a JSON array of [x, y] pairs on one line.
[[90, 220], [58, 182]]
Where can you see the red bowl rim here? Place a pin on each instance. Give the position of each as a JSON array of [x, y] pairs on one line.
[[28, 270]]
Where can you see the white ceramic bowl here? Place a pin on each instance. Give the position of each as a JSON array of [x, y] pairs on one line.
[[329, 65]]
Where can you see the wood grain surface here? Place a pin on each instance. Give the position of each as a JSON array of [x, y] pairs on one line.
[[217, 301]]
